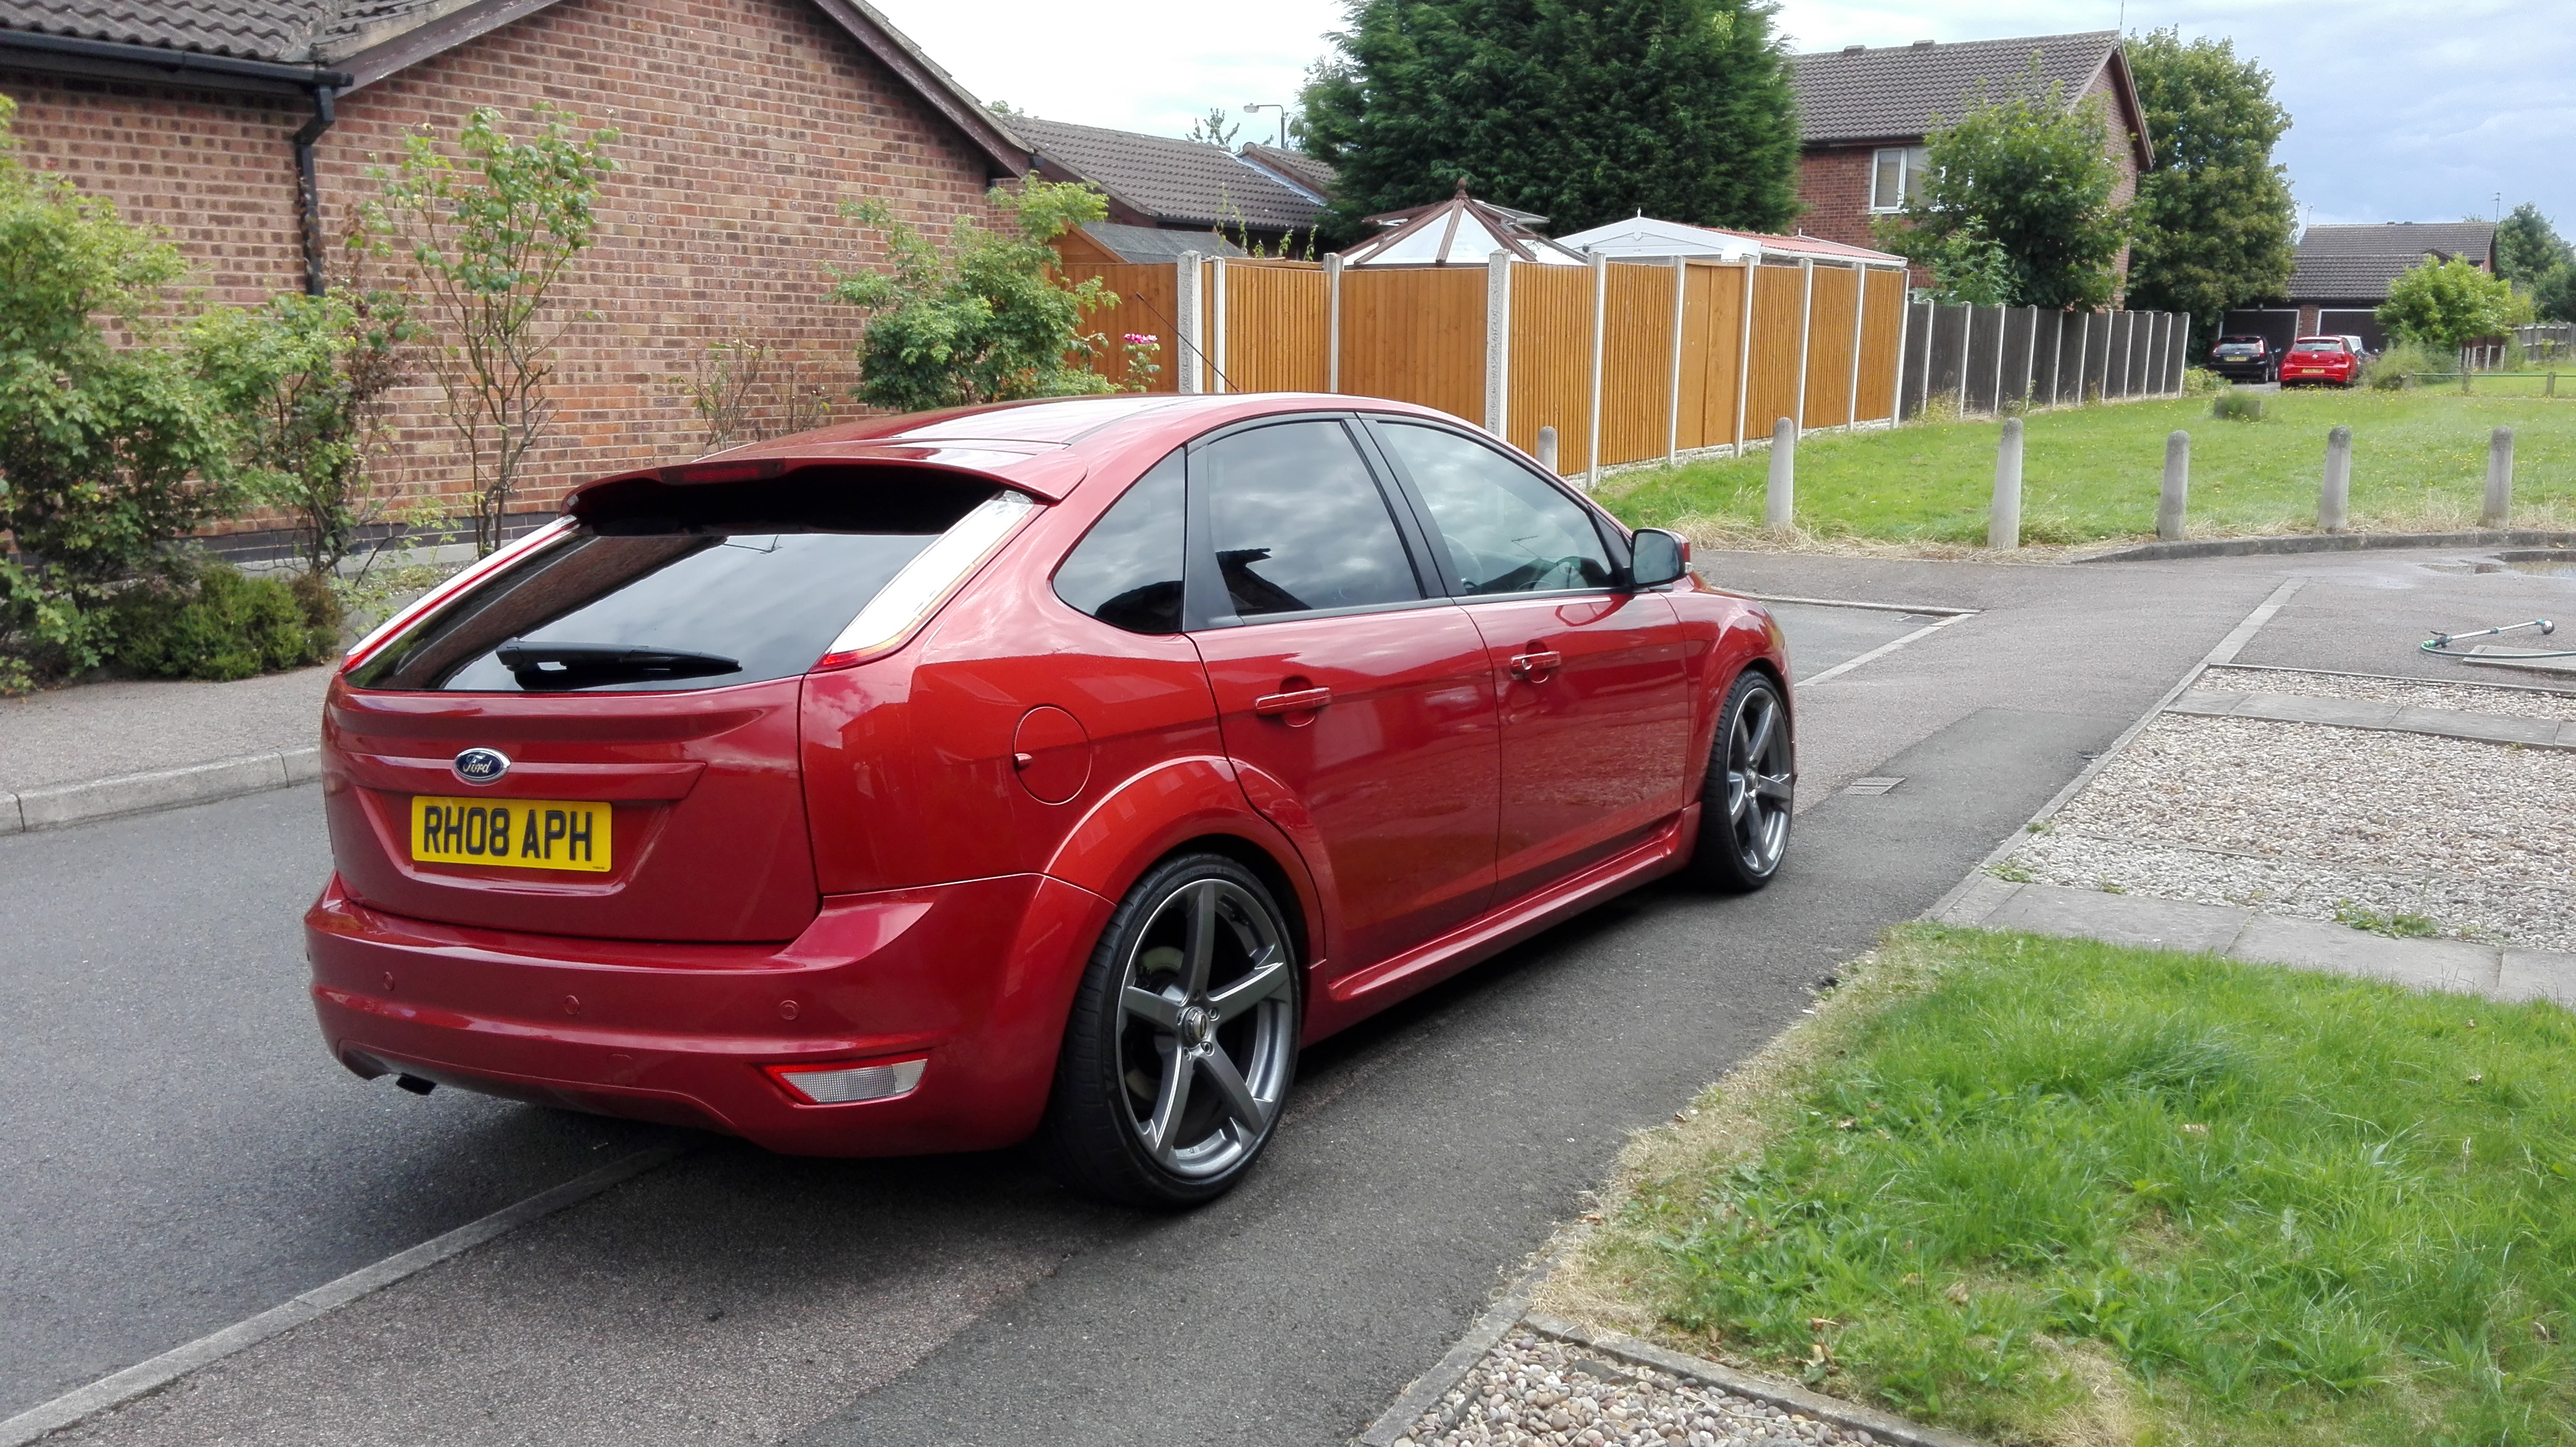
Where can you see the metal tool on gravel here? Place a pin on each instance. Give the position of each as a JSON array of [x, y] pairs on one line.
[[2441, 642]]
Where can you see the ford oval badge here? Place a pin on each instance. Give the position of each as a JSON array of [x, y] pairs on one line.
[[481, 766]]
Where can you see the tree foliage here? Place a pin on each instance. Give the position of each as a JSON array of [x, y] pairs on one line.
[[2538, 261], [109, 449], [2213, 218], [490, 238], [2450, 304], [984, 320], [1581, 110], [2020, 187], [1214, 129]]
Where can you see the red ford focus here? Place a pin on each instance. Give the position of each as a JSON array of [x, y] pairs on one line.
[[1054, 770]]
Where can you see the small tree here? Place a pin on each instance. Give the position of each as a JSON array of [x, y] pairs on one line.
[[489, 242], [2528, 248], [985, 320], [1214, 129], [2449, 304], [108, 452], [2214, 218], [2032, 176]]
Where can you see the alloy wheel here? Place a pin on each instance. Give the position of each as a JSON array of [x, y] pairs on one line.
[[1760, 784], [1206, 1028]]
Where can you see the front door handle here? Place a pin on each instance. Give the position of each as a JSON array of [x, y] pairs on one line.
[[1535, 663], [1297, 702]]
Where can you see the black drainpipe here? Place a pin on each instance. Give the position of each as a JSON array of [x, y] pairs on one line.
[[308, 190]]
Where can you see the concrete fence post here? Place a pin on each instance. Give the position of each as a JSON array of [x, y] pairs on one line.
[[1498, 342], [2499, 503], [2334, 499], [1600, 334], [1780, 496], [2174, 502], [1673, 396], [2003, 520], [1189, 352], [1547, 450], [1216, 326], [1333, 322]]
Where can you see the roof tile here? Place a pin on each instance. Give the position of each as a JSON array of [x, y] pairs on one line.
[[1897, 91], [1172, 180]]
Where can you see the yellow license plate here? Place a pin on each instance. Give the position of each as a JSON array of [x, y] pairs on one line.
[[518, 833]]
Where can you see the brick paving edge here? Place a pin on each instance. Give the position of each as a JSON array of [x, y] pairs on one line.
[[56, 806]]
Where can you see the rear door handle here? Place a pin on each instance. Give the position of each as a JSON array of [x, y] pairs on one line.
[[1535, 662], [1297, 702]]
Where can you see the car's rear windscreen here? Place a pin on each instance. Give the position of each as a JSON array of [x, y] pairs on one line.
[[660, 587]]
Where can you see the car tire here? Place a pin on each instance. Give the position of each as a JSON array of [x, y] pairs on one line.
[[1750, 792], [1182, 1042]]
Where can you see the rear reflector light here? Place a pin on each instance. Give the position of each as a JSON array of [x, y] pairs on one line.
[[844, 1084]]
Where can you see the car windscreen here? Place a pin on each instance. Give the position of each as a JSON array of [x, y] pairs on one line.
[[660, 587], [2317, 344], [2239, 346]]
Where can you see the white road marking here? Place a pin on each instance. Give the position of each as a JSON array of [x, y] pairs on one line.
[[147, 1376], [1872, 656]]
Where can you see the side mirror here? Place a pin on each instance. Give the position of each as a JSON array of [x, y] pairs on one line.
[[1657, 557]]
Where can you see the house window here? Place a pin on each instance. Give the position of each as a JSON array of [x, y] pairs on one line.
[[1896, 177]]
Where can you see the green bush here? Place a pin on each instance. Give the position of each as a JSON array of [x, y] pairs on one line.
[[2200, 381], [2388, 371], [223, 625], [2236, 405]]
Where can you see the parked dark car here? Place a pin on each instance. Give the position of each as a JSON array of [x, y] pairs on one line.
[[1054, 769], [2245, 359]]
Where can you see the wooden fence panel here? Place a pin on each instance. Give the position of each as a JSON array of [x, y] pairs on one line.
[[1771, 386], [1881, 327], [1275, 326], [1712, 347], [1147, 294], [1636, 362], [1829, 346], [1417, 335], [1551, 361]]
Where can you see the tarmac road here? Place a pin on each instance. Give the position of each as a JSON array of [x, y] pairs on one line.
[[176, 1152]]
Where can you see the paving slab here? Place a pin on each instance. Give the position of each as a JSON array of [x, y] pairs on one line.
[[2537, 975], [2121, 919], [2354, 713], [133, 726], [2419, 964]]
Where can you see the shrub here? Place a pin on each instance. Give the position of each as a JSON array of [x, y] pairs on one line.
[[222, 625], [2236, 405], [2200, 381], [2451, 304], [2388, 371]]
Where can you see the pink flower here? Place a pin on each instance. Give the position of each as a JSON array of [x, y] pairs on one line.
[[1141, 339]]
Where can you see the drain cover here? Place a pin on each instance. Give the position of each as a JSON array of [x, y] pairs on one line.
[[1871, 786]]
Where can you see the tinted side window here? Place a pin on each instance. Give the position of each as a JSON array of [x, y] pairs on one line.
[[1298, 522], [1508, 531], [1126, 571]]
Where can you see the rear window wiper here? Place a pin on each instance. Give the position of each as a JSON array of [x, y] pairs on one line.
[[551, 666]]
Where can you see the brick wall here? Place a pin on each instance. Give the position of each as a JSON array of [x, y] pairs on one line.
[[744, 125]]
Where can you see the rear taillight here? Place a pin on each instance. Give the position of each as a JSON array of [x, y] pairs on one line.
[[926, 581], [848, 1084], [420, 607]]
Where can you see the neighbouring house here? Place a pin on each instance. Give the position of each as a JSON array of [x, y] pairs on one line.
[[1863, 114], [246, 129], [1644, 237], [1161, 183], [2343, 273]]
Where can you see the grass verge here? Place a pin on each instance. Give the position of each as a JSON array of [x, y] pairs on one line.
[[2092, 474], [2052, 1191]]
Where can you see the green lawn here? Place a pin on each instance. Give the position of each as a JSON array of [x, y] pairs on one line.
[[2419, 462], [2053, 1191]]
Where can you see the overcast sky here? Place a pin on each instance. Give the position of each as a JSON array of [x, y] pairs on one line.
[[2403, 110]]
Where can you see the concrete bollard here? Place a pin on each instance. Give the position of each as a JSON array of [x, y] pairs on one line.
[[1780, 496], [1547, 449], [2003, 523], [2334, 499], [2499, 504], [2175, 500]]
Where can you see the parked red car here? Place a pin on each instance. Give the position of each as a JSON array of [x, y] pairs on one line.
[[2321, 361], [1053, 769]]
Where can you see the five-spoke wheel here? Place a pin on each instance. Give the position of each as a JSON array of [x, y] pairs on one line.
[[1746, 804], [1182, 1041]]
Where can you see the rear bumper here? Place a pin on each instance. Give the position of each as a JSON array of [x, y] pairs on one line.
[[976, 977]]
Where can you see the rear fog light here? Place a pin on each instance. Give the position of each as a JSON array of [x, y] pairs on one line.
[[845, 1084]]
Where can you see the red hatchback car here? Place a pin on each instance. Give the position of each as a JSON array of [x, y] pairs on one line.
[[2321, 361], [1054, 769]]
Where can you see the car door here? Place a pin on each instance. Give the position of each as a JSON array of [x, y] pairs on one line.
[[1588, 678], [1349, 692]]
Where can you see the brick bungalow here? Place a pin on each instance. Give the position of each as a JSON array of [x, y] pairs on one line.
[[2343, 274], [1863, 114], [745, 124]]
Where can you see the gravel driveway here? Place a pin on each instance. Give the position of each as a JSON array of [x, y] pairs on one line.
[[1536, 1389]]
